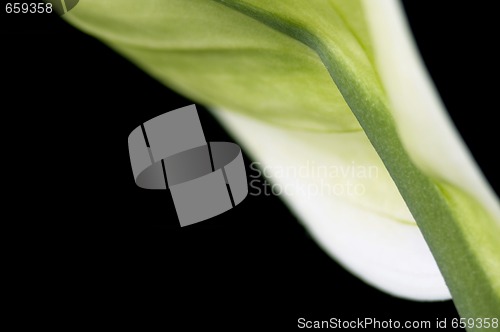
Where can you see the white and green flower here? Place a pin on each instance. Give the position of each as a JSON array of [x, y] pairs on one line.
[[332, 83]]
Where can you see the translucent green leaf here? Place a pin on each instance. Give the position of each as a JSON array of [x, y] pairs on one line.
[[230, 62]]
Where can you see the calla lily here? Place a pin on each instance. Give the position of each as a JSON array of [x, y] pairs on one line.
[[339, 86]]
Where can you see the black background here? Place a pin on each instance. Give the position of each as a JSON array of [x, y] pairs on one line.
[[91, 248]]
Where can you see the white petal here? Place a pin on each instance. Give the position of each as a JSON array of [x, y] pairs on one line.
[[371, 232]]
